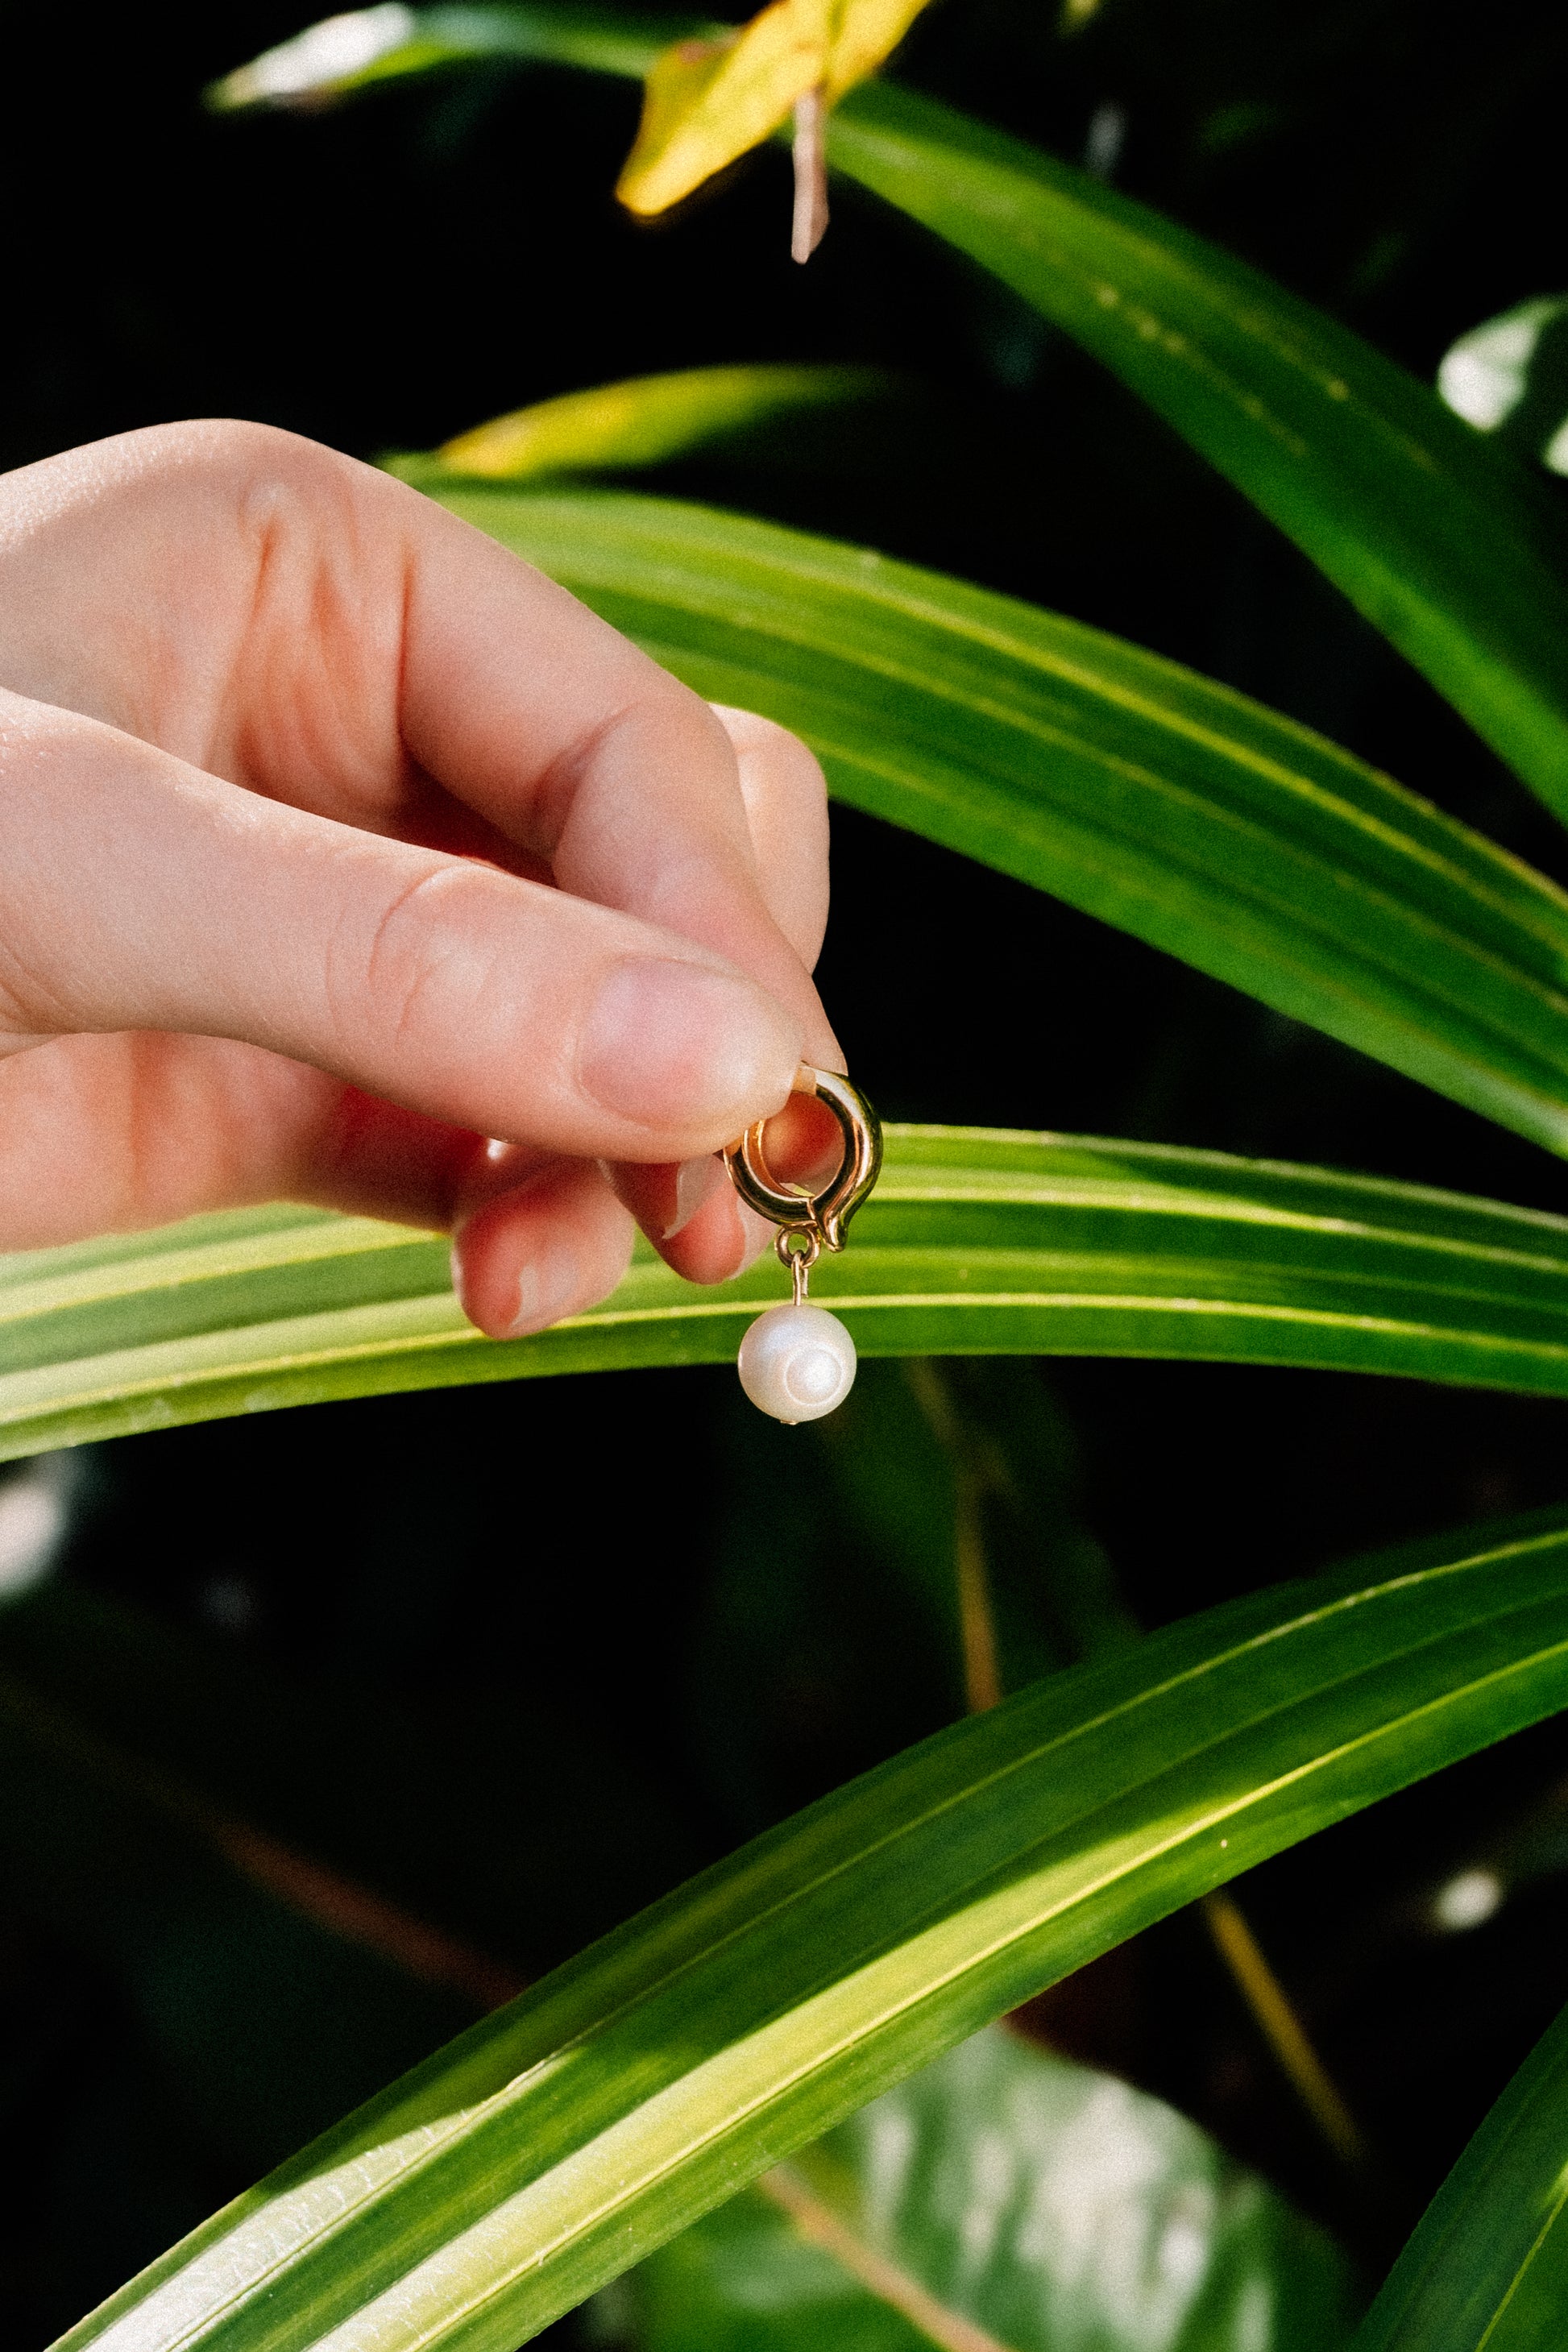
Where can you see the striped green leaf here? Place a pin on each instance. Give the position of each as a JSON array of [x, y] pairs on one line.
[[1488, 2266], [555, 2144], [1437, 535], [976, 1243], [1126, 785]]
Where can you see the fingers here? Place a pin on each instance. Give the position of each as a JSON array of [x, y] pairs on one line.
[[354, 652], [553, 1247], [582, 750], [138, 892], [693, 1215], [103, 1134], [277, 613], [705, 1238], [785, 798]]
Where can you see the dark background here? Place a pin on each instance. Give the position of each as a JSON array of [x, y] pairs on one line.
[[517, 1659]]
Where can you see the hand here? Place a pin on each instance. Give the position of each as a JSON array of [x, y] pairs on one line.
[[345, 858]]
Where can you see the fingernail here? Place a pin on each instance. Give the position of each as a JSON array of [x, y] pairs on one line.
[[695, 1182], [546, 1287], [674, 1044]]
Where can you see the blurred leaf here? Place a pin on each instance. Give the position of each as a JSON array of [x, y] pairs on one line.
[[1488, 2265], [1000, 2198], [1441, 539], [976, 1242], [1132, 789], [565, 2138], [650, 418], [1511, 377], [348, 53], [708, 101]]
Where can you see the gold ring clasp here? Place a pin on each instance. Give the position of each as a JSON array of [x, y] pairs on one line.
[[826, 1214]]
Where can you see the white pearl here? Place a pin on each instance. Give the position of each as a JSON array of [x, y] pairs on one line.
[[797, 1362]]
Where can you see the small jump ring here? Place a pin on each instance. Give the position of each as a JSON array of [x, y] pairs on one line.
[[822, 1214]]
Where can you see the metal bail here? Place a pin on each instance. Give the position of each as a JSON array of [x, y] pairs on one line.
[[826, 1214]]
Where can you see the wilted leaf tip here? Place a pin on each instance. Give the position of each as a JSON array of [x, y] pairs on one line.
[[707, 102]]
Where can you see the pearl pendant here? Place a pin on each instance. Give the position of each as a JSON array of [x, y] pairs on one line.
[[797, 1362]]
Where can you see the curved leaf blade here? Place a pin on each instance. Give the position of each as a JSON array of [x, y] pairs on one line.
[[647, 420], [560, 2140], [344, 53], [1131, 787], [1434, 533], [976, 1242], [1488, 2265]]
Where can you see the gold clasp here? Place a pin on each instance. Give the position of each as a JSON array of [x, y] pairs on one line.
[[822, 1214]]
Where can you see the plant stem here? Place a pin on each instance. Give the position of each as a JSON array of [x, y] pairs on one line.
[[346, 1908], [972, 1575], [1280, 2027], [821, 2226], [810, 223]]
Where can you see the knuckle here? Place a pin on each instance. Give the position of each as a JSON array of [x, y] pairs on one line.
[[388, 981]]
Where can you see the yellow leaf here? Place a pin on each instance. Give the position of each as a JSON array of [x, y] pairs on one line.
[[650, 418], [708, 101], [868, 32]]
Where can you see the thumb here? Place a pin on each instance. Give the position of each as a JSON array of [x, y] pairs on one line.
[[139, 892]]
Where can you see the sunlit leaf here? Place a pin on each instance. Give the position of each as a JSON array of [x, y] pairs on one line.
[[974, 1241], [565, 2138], [1143, 794], [1488, 2266], [1002, 2198], [708, 101], [649, 419], [1511, 377], [865, 35]]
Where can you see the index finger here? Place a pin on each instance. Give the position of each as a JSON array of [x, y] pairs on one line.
[[522, 703]]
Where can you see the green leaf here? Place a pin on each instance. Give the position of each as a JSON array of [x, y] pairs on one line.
[[563, 2139], [1126, 785], [645, 421], [355, 51], [1509, 376], [1488, 2265], [1437, 535], [975, 1242], [1002, 2197]]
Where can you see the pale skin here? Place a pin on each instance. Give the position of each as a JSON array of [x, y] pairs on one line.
[[344, 858]]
